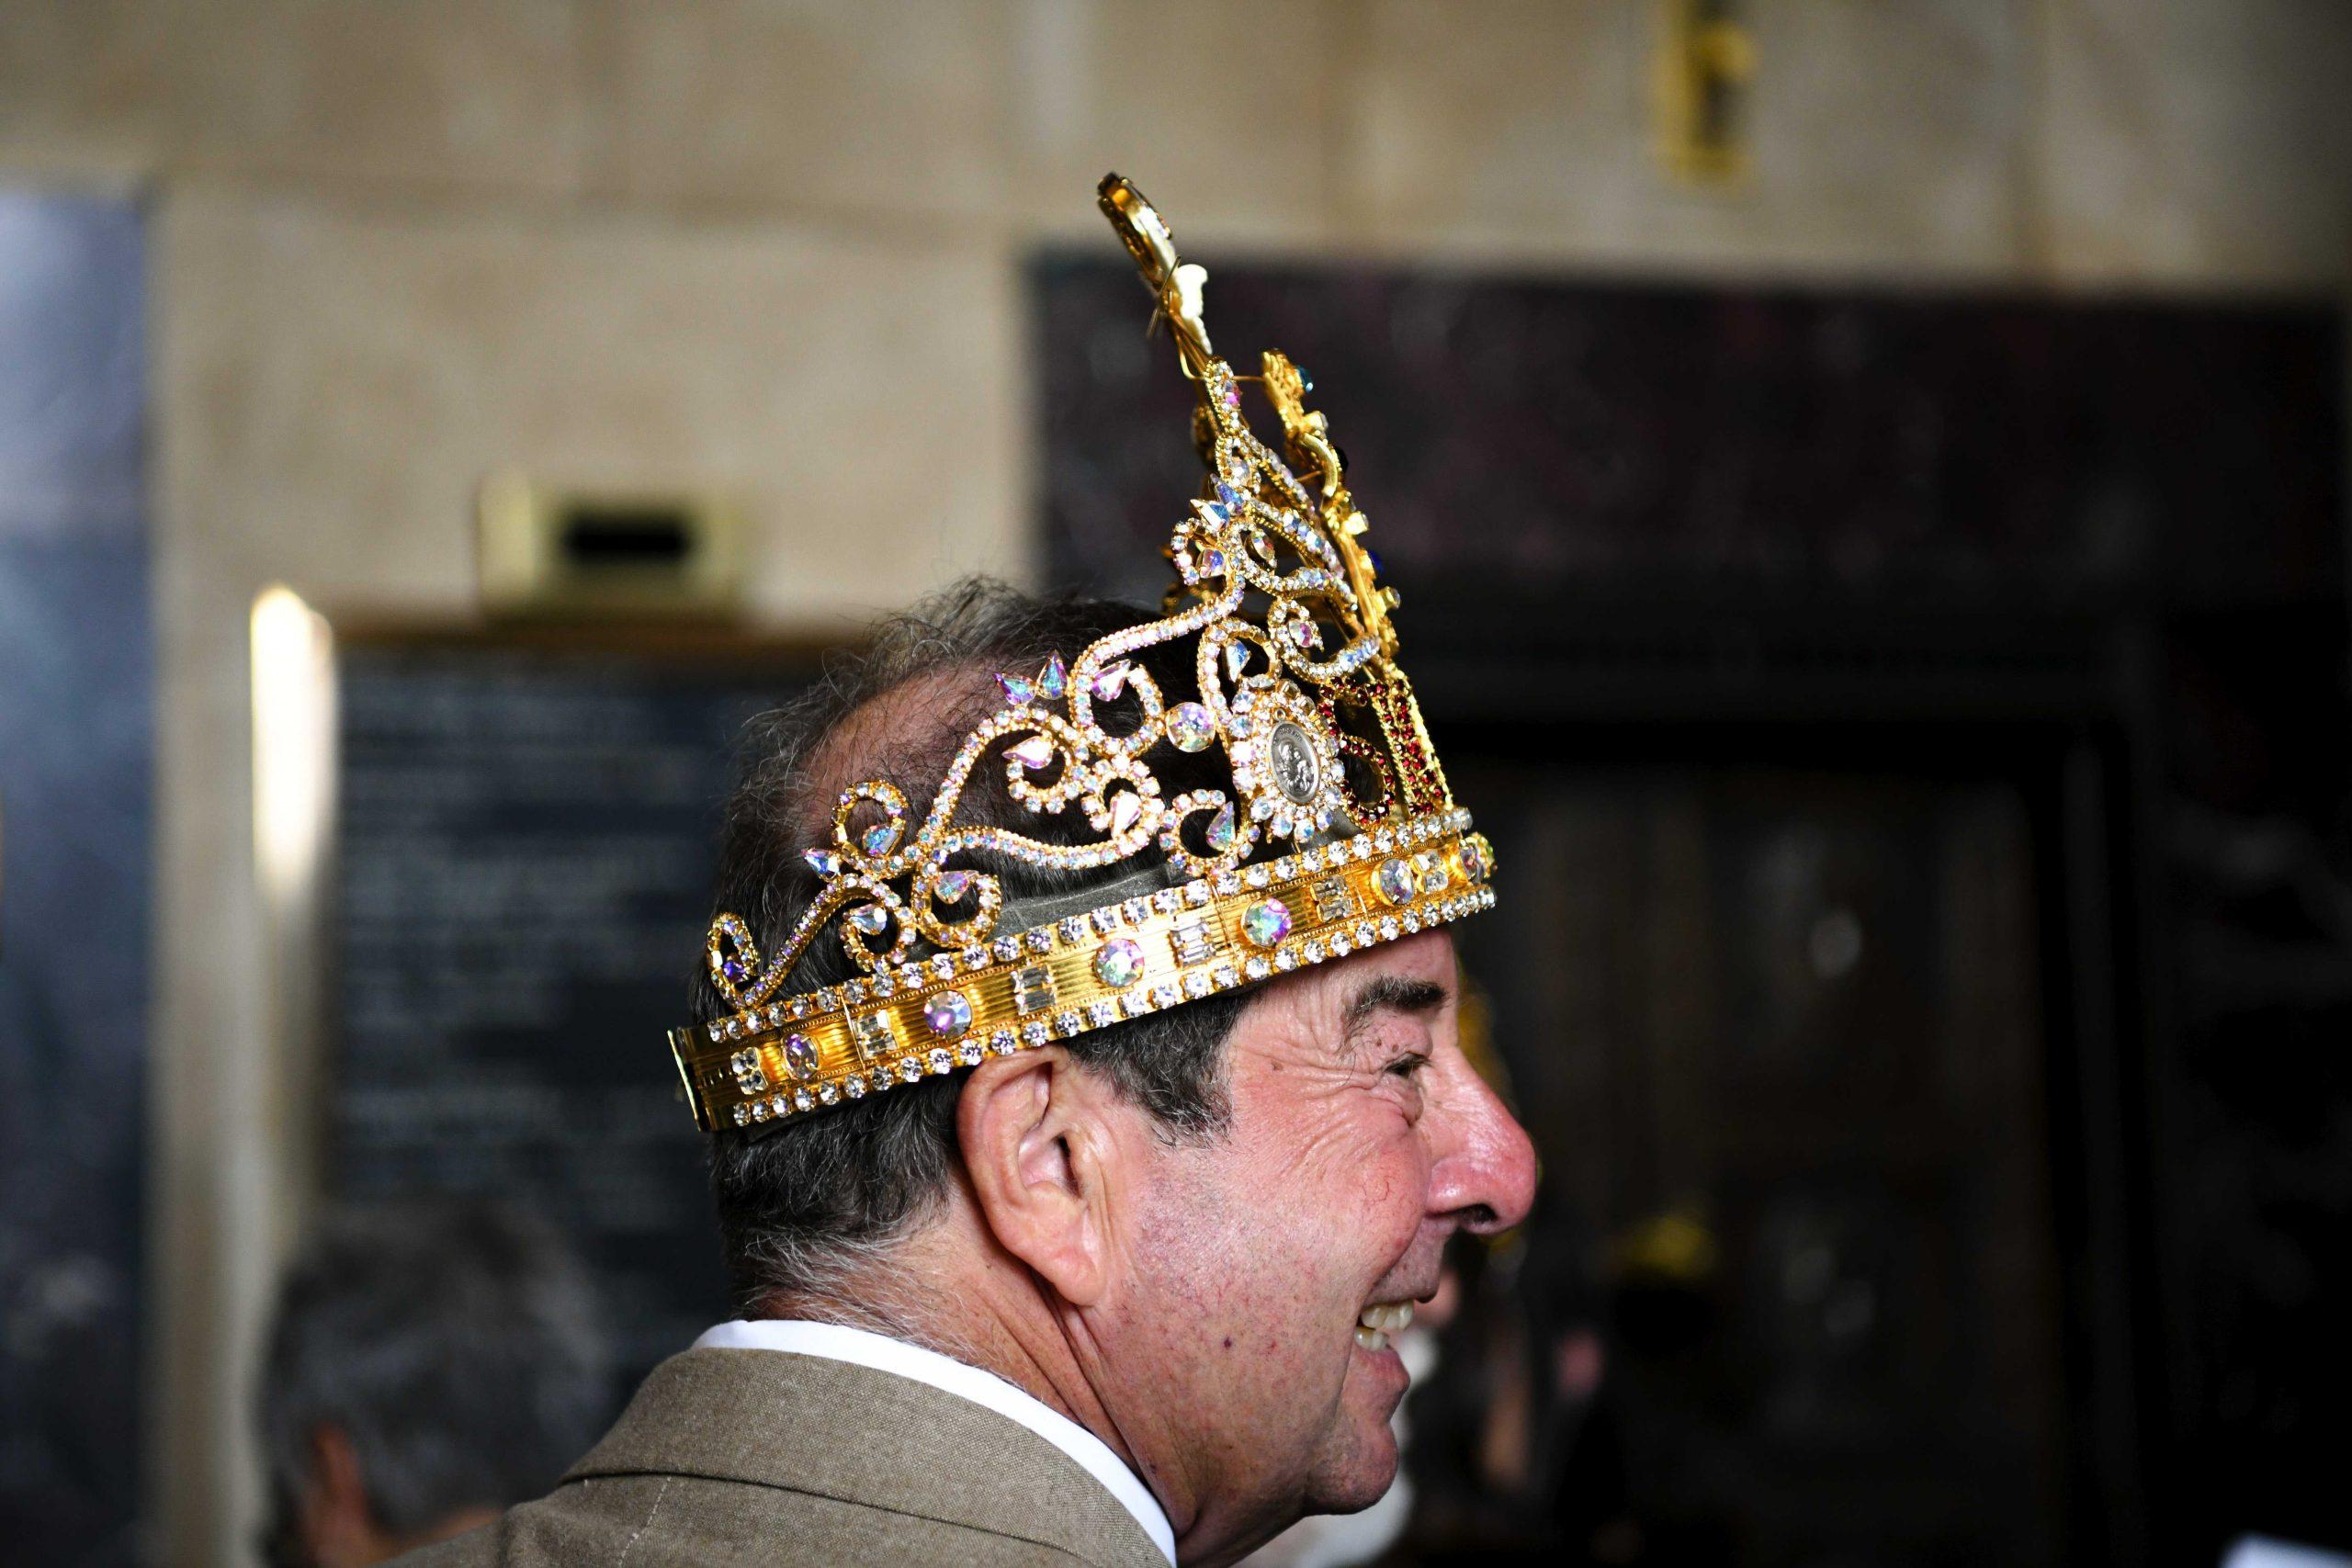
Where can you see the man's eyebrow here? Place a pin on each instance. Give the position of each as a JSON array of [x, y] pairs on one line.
[[1391, 993]]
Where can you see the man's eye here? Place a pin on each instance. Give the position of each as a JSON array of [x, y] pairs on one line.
[[1405, 1067]]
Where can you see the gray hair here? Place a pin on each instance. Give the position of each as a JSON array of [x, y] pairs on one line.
[[806, 1211], [458, 1346]]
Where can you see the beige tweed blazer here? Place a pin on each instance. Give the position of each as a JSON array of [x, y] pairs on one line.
[[759, 1457]]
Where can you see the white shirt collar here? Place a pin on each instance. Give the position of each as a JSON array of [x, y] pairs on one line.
[[859, 1347]]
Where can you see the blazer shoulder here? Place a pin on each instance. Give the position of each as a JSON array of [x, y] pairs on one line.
[[772, 1458], [678, 1521]]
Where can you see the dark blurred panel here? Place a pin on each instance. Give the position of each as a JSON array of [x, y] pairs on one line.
[[75, 781], [1983, 450], [526, 841], [1914, 728], [1778, 1033]]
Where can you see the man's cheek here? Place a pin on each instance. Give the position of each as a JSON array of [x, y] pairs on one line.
[[1393, 1196]]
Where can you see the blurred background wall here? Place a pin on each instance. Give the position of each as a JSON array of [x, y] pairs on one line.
[[777, 250]]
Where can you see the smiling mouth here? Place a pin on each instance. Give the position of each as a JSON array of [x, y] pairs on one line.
[[1378, 1321]]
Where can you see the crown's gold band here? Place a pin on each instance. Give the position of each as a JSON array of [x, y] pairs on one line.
[[1082, 973]]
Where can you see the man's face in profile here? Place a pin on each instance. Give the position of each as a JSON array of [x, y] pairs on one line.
[[1361, 1139]]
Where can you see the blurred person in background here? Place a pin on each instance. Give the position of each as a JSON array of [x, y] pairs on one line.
[[428, 1365]]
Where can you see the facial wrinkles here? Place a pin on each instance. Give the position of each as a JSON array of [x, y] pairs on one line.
[[1314, 1208]]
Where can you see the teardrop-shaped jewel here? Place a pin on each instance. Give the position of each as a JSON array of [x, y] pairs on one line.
[[1237, 659], [1309, 635], [1212, 561], [1125, 807], [800, 1057], [824, 862], [878, 839], [954, 885], [1033, 753], [1053, 680], [1220, 829], [1107, 685], [1017, 692], [870, 919]]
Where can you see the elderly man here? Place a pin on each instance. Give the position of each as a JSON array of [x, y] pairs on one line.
[[1078, 1047]]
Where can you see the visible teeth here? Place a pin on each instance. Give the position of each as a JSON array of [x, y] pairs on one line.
[[1372, 1338], [1386, 1316]]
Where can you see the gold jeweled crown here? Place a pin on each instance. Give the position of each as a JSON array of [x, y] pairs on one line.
[[1338, 831]]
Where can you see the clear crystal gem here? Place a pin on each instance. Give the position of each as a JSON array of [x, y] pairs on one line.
[[947, 1015], [1118, 961], [1265, 922], [1191, 728], [1474, 859], [800, 1057]]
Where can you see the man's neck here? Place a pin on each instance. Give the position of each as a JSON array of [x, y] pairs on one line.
[[1004, 1321]]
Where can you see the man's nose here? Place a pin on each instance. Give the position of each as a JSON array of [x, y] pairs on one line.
[[1486, 1167]]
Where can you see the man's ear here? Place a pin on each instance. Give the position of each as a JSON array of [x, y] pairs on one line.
[[1039, 1151]]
